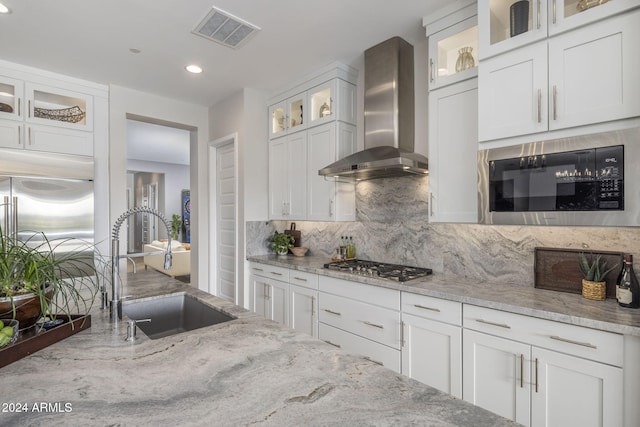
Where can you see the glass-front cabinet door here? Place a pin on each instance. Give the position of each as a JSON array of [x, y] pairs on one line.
[[508, 24], [453, 53], [59, 107], [296, 114], [11, 93], [321, 103], [567, 14], [277, 122]]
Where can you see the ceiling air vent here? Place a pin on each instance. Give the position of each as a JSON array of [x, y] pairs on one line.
[[224, 28]]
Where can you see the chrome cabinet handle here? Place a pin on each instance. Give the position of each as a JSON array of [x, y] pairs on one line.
[[554, 11], [374, 361], [313, 305], [583, 344], [431, 70], [275, 274], [539, 105], [402, 334], [539, 14], [301, 279], [427, 308], [332, 312], [333, 344], [29, 109], [521, 370], [536, 374], [257, 269], [431, 203], [19, 112], [330, 106], [555, 106], [330, 208], [500, 325], [373, 324]]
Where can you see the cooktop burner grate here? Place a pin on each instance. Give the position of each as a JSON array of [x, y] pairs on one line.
[[400, 273]]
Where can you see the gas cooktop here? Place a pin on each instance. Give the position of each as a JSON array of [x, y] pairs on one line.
[[400, 273]]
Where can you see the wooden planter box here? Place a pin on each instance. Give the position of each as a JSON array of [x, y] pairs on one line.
[[33, 340]]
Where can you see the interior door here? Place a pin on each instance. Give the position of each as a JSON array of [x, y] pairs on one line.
[[226, 222]]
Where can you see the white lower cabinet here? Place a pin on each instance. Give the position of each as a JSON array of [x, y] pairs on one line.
[[361, 319], [270, 297], [432, 342], [290, 297], [542, 373], [303, 301]]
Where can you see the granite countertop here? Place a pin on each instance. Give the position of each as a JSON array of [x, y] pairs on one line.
[[545, 304], [246, 371]]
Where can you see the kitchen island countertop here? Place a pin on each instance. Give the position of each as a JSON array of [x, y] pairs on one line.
[[246, 371], [527, 300]]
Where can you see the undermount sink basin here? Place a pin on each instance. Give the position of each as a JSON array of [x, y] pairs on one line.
[[172, 314]]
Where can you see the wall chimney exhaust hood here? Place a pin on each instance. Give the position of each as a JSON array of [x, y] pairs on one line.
[[388, 118]]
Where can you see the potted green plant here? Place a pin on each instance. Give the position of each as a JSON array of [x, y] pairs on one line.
[[594, 271], [176, 223], [281, 243], [37, 278]]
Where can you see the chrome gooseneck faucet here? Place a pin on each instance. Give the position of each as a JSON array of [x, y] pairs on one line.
[[115, 306]]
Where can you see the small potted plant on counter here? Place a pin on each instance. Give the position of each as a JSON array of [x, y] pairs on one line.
[[594, 271], [281, 243]]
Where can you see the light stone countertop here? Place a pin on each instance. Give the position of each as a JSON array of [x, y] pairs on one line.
[[545, 304], [244, 372]]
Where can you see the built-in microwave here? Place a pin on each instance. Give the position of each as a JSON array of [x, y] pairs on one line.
[[587, 180]]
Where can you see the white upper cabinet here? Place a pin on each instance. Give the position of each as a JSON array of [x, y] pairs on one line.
[[453, 44], [568, 14], [508, 24], [333, 100], [593, 76], [310, 126], [578, 78], [59, 107], [11, 98], [45, 117], [512, 93], [288, 116]]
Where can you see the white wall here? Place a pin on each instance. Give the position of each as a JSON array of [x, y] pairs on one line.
[[124, 102]]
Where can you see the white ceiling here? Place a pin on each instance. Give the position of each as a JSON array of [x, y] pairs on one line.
[[90, 39]]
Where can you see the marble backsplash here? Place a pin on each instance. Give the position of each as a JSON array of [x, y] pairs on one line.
[[393, 226]]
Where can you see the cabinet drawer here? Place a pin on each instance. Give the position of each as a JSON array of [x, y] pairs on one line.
[[270, 271], [375, 323], [605, 347], [377, 353], [432, 308], [303, 278], [383, 297]]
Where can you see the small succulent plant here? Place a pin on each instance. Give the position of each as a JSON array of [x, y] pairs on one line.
[[594, 269]]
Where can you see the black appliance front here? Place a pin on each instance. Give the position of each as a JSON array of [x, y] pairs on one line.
[[580, 180]]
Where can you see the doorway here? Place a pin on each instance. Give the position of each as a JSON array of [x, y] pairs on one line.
[[158, 172], [223, 234]]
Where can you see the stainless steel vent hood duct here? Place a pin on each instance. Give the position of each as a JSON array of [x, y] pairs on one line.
[[388, 117]]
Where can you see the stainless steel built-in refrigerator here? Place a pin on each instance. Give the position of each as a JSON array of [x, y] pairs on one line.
[[46, 193]]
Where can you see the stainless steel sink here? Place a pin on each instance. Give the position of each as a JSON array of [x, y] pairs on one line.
[[172, 314]]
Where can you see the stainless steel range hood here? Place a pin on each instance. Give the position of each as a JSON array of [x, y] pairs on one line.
[[388, 117]]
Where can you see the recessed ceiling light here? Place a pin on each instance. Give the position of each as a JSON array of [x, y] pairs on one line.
[[4, 9], [193, 69], [134, 50]]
